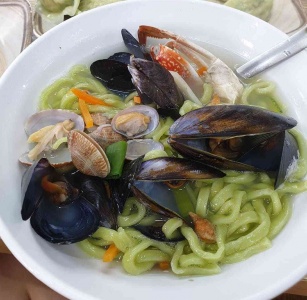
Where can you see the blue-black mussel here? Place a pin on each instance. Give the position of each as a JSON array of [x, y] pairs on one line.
[[160, 184], [124, 72], [65, 208], [237, 137]]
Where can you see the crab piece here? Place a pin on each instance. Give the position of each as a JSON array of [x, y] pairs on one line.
[[214, 71], [173, 61]]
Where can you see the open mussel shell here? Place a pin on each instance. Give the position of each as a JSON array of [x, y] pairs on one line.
[[31, 186], [154, 230], [267, 155], [133, 45], [121, 188], [113, 74], [65, 224], [159, 200], [123, 57], [157, 197], [229, 121], [155, 84], [94, 190], [275, 155], [65, 208], [132, 121], [288, 157], [172, 168], [50, 117], [197, 150]]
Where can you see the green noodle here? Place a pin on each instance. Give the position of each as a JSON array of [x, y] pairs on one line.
[[246, 220], [188, 106], [244, 207], [169, 228], [59, 96]]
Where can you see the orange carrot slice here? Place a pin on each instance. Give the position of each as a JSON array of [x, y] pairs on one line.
[[164, 265], [89, 98], [88, 120], [110, 253], [137, 99]]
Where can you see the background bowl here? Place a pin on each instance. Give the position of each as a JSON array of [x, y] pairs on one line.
[[94, 35]]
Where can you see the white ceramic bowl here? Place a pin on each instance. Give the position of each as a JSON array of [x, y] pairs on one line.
[[94, 35]]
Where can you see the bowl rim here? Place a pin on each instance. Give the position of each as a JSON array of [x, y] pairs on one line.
[[34, 267]]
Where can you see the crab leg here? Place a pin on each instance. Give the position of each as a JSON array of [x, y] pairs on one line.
[[225, 83]]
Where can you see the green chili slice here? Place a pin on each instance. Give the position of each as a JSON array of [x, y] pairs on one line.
[[116, 154]]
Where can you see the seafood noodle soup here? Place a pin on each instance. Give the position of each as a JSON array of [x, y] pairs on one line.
[[160, 157]]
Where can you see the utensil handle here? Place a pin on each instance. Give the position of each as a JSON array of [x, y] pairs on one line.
[[281, 52]]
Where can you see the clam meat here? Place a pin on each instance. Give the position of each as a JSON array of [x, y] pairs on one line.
[[136, 121]]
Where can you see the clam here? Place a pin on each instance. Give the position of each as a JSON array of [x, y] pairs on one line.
[[139, 147], [50, 117], [59, 159], [87, 156], [46, 127], [100, 119], [104, 135], [136, 121]]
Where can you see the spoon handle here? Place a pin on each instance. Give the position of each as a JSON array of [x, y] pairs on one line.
[[281, 52]]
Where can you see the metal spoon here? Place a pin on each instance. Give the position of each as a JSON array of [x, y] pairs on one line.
[[293, 45]]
